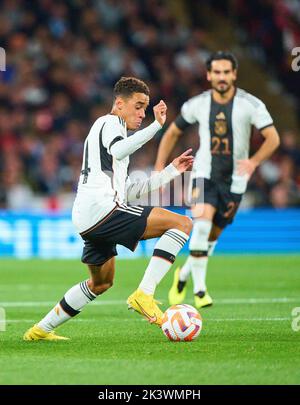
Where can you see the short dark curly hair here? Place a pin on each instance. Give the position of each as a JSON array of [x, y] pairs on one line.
[[126, 86], [219, 55]]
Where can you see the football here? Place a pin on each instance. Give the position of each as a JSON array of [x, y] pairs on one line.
[[181, 323]]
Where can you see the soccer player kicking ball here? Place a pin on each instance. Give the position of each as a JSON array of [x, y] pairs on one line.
[[225, 116], [103, 218]]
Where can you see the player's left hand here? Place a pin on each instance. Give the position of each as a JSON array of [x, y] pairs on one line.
[[160, 112], [246, 167], [184, 162]]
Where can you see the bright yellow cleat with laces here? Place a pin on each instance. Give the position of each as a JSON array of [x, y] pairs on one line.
[[177, 292], [202, 299], [36, 333], [145, 305]]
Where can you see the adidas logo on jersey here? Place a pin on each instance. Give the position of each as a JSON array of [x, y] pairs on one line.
[[221, 116]]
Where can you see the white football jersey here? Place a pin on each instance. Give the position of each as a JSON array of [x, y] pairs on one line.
[[102, 183], [224, 132]]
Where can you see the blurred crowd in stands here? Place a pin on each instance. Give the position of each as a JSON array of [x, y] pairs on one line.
[[62, 60], [270, 30]]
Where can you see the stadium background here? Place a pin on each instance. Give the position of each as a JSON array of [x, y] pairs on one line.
[[62, 60]]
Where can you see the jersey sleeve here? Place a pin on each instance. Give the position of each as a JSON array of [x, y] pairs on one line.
[[125, 147], [261, 117], [113, 131], [134, 191], [188, 111], [181, 123]]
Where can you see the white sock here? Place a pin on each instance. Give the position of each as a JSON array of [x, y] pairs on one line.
[[211, 247], [71, 304], [198, 242], [165, 252], [199, 267], [185, 270]]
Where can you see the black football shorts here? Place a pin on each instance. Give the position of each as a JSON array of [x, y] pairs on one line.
[[219, 196], [125, 225]]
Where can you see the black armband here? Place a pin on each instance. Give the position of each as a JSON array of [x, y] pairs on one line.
[[181, 123]]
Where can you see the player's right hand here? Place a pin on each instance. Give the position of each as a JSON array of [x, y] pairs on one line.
[[160, 112], [184, 162]]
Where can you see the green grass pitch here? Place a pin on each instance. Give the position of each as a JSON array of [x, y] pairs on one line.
[[247, 335]]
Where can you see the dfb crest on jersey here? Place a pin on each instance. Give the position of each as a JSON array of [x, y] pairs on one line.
[[220, 124]]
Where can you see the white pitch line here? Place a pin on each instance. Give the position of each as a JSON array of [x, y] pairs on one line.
[[211, 319], [223, 301], [49, 303], [256, 300], [247, 319], [22, 287], [73, 320], [18, 320], [205, 320]]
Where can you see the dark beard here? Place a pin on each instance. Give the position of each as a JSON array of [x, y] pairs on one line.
[[222, 91]]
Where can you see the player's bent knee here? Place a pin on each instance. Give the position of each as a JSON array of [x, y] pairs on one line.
[[186, 224], [100, 288], [199, 238]]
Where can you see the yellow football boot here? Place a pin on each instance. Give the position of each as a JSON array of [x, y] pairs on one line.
[[178, 290], [202, 299], [36, 333], [145, 305]]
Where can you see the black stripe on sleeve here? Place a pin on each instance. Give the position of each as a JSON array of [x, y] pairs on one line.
[[66, 307], [105, 157], [181, 123], [117, 138], [266, 126]]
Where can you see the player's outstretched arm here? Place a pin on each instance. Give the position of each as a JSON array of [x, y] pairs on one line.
[[270, 144], [179, 165], [127, 146], [166, 146]]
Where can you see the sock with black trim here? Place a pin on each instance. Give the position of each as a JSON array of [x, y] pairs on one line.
[[71, 305], [211, 247], [185, 270], [164, 254], [199, 269]]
